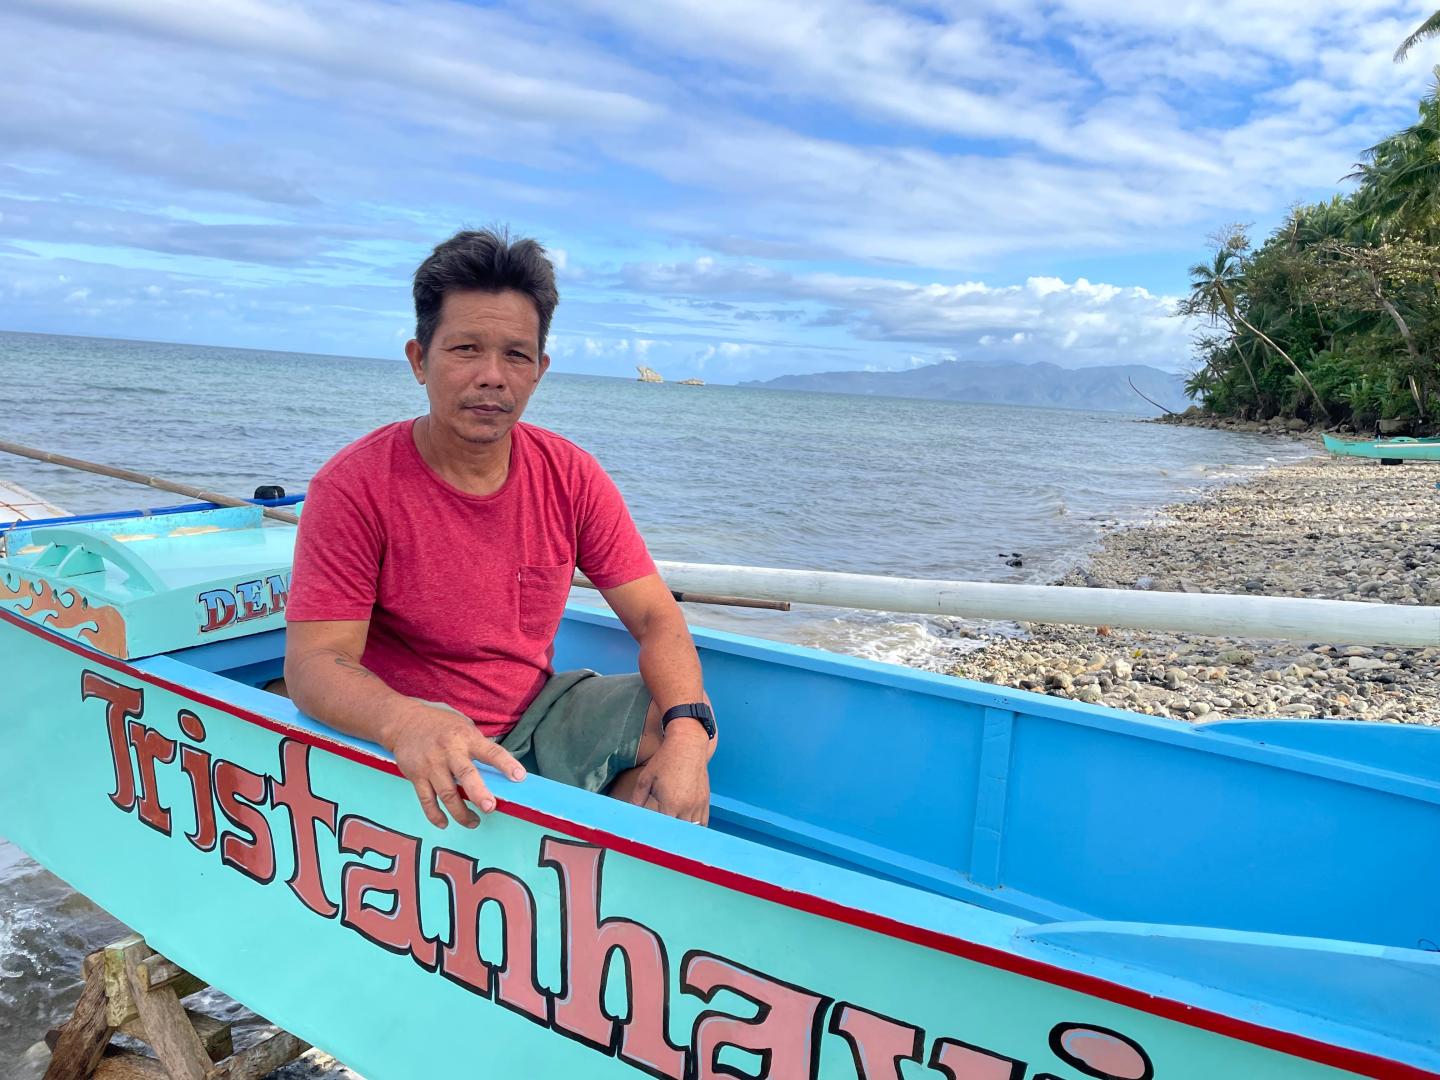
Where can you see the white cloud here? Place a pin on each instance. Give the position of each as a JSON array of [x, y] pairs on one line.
[[1170, 117], [1085, 125], [293, 149], [1088, 322], [424, 46], [725, 351]]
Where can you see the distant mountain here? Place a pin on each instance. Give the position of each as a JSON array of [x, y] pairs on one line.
[[1102, 389]]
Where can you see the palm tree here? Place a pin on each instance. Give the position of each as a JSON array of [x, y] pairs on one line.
[[1428, 29], [1214, 287], [1211, 284], [1400, 175]]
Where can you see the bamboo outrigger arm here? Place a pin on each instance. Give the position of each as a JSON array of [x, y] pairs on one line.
[[130, 475], [1212, 614]]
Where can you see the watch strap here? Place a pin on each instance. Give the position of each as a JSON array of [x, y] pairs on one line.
[[695, 710]]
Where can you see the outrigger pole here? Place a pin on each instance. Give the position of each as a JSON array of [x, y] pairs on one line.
[[1210, 614], [187, 490]]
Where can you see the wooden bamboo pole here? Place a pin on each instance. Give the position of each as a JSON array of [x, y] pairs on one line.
[[133, 477], [1211, 614], [729, 601], [582, 582]]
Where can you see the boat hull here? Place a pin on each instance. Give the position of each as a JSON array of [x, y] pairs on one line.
[[1387, 450], [294, 871]]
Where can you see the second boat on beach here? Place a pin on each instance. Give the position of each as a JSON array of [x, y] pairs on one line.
[[1400, 449]]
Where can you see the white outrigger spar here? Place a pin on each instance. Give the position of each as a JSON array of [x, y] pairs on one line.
[[1213, 614], [1338, 622]]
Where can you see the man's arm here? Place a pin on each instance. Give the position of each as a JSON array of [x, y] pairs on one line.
[[436, 749], [676, 775]]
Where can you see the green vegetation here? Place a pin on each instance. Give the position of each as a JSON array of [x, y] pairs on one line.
[[1335, 318]]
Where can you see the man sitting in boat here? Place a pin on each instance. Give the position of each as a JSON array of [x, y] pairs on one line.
[[435, 556]]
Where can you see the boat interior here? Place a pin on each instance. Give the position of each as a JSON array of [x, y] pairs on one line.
[[1044, 809]]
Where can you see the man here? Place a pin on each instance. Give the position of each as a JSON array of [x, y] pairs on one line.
[[435, 556]]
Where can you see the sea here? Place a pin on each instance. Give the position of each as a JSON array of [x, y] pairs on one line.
[[712, 474]]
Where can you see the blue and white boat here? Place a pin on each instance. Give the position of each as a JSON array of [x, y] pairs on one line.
[[906, 875]]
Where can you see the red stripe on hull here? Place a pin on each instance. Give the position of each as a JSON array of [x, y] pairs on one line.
[[1285, 1042]]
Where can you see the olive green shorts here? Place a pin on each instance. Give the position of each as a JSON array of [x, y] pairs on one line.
[[582, 729]]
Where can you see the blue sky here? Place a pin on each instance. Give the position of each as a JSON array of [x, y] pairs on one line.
[[733, 190]]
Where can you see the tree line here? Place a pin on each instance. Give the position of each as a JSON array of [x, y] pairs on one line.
[[1335, 317]]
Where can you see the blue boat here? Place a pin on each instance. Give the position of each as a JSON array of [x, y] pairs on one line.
[[1397, 448], [906, 874]]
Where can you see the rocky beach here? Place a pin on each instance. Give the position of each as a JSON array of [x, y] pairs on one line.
[[1328, 528]]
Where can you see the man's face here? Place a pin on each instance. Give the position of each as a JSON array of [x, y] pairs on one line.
[[483, 363]]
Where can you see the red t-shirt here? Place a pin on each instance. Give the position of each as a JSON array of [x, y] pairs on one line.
[[463, 592]]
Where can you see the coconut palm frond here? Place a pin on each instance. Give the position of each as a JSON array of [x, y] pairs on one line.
[[1429, 28]]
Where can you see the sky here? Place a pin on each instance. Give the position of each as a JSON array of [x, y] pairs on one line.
[[730, 189]]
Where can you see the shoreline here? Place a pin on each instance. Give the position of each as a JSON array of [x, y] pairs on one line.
[[1324, 528]]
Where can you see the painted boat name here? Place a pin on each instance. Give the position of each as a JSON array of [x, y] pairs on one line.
[[255, 599], [785, 1031]]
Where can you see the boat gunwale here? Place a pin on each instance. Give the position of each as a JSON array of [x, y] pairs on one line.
[[1294, 1044], [1177, 733]]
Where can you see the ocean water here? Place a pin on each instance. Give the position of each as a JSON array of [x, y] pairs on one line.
[[712, 474]]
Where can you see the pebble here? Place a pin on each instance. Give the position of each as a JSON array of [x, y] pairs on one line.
[[1365, 663], [1327, 528]]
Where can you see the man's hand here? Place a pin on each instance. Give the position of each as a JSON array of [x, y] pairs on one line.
[[676, 779], [436, 750]]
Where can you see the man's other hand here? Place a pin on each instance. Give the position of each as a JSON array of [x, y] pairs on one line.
[[436, 750], [676, 779]]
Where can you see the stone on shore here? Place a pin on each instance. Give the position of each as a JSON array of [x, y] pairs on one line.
[[1328, 528]]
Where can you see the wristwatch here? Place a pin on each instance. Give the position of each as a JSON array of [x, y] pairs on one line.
[[697, 710]]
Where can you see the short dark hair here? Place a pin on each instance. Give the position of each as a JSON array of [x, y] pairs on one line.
[[488, 260]]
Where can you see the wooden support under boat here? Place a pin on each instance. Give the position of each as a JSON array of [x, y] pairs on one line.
[[131, 989]]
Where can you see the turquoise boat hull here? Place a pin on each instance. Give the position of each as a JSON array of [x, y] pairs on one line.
[[907, 874], [1387, 449]]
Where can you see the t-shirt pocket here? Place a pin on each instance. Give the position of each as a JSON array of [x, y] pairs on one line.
[[543, 592]]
